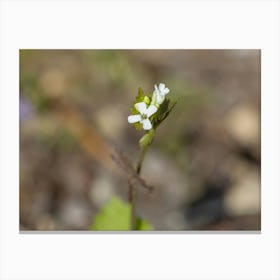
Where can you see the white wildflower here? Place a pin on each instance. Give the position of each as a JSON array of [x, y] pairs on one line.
[[145, 114], [159, 94]]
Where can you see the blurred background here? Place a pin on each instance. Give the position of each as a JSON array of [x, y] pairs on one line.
[[204, 163]]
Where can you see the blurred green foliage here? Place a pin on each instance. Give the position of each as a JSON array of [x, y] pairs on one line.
[[115, 216]]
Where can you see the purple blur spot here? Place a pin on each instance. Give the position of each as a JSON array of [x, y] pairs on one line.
[[26, 109]]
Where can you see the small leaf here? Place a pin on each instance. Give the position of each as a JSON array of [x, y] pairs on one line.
[[139, 98], [140, 95], [147, 139], [147, 100], [163, 112], [115, 216], [138, 126], [171, 105], [142, 225]]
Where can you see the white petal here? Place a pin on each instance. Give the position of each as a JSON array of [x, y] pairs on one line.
[[156, 88], [166, 90], [160, 99], [151, 110], [134, 118], [141, 107], [161, 87], [147, 125]]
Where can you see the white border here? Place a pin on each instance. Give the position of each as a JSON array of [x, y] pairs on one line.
[[156, 24]]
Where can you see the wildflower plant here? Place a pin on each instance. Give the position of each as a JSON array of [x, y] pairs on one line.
[[148, 111]]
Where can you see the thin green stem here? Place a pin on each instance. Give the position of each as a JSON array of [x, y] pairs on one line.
[[132, 190], [141, 159]]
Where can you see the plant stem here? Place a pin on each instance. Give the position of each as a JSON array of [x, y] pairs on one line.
[[132, 190], [141, 159]]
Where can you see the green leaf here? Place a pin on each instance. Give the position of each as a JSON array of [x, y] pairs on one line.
[[164, 110], [147, 139], [115, 216], [139, 98], [140, 95], [142, 225]]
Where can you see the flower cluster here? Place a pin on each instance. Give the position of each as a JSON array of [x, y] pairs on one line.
[[146, 108], [159, 94]]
